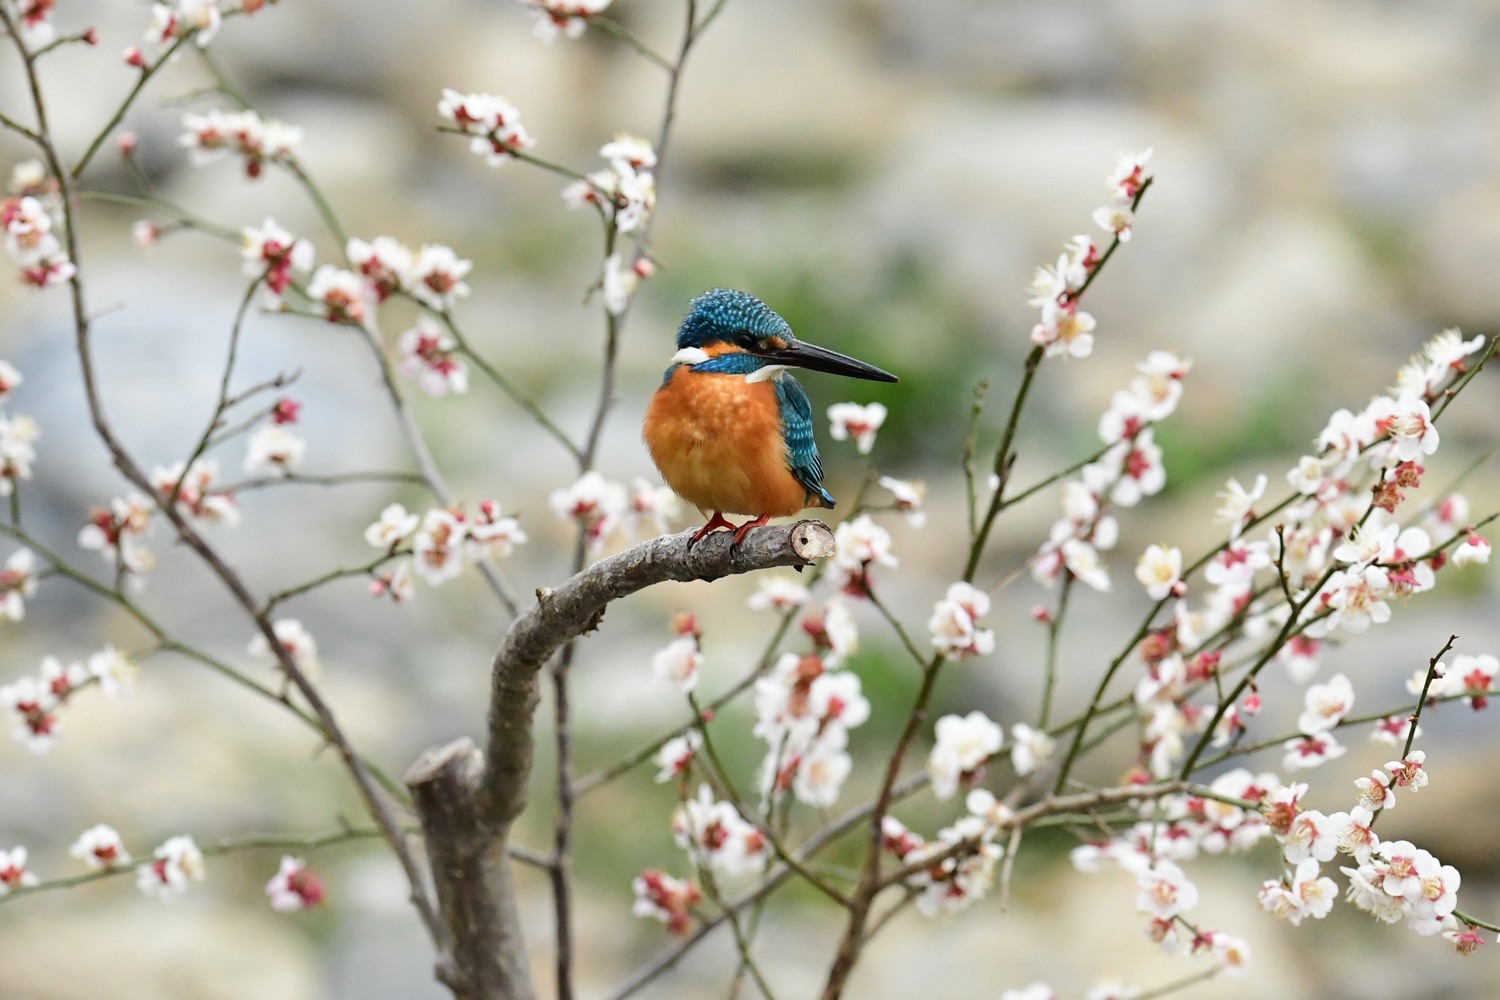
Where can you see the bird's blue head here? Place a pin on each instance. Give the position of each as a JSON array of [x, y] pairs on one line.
[[725, 321], [738, 319]]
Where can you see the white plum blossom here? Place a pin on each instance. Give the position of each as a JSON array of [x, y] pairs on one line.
[[964, 744], [1326, 705], [860, 423], [10, 378], [1311, 750], [394, 527], [618, 283], [1030, 748], [662, 897], [717, 837], [1129, 176], [276, 257], [1354, 832], [839, 632], [345, 296], [17, 584], [1237, 504], [114, 671], [437, 276], [429, 353], [678, 662], [909, 496], [1473, 549], [194, 494], [955, 622], [779, 593], [1309, 894], [1082, 560], [1410, 772], [491, 534], [294, 887], [652, 508], [178, 864], [596, 504], [1311, 835], [1165, 890], [1159, 570], [1064, 331], [34, 706], [1356, 598], [100, 847], [821, 772], [562, 18], [384, 262], [274, 449], [17, 452], [438, 546], [1116, 219], [861, 542], [676, 754], [1036, 991], [1375, 792], [13, 871]]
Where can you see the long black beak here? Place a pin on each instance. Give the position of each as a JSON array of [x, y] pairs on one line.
[[801, 354]]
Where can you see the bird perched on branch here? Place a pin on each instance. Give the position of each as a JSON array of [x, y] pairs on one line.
[[730, 430]]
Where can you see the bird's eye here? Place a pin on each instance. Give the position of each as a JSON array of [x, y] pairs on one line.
[[745, 340]]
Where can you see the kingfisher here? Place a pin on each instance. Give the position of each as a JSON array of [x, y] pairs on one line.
[[729, 428]]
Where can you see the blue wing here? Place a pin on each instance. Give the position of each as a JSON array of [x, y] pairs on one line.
[[797, 425]]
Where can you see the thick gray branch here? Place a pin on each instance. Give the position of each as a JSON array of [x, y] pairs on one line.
[[578, 606], [467, 800], [482, 954]]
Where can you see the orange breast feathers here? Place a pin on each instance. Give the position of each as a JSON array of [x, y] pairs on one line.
[[717, 441]]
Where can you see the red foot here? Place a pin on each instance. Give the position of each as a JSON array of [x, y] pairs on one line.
[[717, 521], [744, 529]]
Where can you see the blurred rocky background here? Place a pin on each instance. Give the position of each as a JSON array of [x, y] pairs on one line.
[[887, 174]]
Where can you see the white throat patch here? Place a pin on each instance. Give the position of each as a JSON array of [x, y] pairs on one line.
[[767, 374], [690, 356]]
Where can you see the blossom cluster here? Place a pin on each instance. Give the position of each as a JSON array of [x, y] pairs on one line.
[[33, 20], [805, 706], [718, 839], [1064, 330], [670, 900], [964, 745], [17, 584], [378, 268], [216, 134], [33, 702], [440, 543], [494, 123], [294, 887], [29, 218], [957, 866], [600, 507], [1129, 469], [1343, 556], [562, 18], [17, 434], [624, 192]]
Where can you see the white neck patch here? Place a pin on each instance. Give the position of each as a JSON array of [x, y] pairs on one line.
[[767, 374], [690, 356]]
